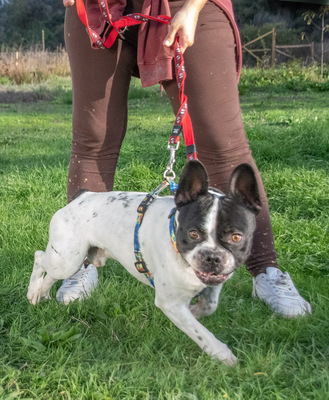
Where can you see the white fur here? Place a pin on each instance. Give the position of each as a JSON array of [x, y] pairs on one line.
[[107, 221]]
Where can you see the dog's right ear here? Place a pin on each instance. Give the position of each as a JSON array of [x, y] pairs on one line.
[[193, 183]]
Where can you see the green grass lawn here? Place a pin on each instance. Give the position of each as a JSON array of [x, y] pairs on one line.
[[117, 345]]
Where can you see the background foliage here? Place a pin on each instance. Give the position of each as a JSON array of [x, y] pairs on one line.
[[21, 21]]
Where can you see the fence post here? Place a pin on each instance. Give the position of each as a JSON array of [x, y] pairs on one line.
[[43, 40], [273, 48], [312, 51]]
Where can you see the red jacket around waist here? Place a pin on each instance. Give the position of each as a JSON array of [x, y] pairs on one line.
[[154, 63]]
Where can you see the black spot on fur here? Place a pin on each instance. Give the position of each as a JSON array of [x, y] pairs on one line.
[[124, 199], [95, 214], [54, 249], [110, 199]]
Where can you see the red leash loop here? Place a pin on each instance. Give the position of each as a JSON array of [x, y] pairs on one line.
[[183, 120], [115, 26]]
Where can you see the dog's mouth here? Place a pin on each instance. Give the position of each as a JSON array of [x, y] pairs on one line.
[[210, 278]]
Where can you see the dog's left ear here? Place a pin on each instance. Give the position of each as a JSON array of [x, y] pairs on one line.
[[193, 183], [243, 185]]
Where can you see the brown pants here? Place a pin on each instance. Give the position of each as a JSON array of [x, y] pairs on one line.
[[101, 81]]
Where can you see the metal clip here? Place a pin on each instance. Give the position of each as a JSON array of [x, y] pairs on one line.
[[169, 173], [123, 30]]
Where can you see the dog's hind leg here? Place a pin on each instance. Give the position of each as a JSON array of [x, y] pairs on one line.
[[37, 276], [40, 284], [207, 302]]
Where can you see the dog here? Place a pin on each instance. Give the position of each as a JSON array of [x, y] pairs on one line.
[[213, 237]]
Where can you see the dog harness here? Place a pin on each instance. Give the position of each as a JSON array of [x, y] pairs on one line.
[[140, 263]]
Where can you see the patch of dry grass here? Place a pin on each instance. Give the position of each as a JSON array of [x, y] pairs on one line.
[[32, 66]]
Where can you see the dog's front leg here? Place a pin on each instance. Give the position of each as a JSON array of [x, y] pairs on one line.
[[179, 313]]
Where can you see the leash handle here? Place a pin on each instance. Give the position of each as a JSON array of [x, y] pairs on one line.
[[115, 27]]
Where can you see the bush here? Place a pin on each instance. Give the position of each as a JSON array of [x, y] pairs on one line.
[[290, 76]]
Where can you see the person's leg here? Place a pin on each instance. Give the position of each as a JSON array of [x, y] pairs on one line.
[[213, 102], [100, 80]]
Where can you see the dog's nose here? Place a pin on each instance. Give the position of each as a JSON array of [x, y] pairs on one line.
[[212, 261]]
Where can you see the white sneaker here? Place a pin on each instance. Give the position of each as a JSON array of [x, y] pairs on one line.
[[79, 286], [279, 292]]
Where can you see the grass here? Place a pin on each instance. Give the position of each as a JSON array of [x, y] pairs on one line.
[[117, 345]]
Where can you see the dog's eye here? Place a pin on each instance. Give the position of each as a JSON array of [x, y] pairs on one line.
[[236, 237], [194, 235]]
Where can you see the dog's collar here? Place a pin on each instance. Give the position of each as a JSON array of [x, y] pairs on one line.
[[172, 228]]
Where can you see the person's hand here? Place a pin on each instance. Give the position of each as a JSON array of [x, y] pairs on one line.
[[184, 24], [68, 3]]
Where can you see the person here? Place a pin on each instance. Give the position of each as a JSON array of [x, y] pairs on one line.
[[210, 41]]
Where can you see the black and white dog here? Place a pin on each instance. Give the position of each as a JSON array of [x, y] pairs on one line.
[[213, 236]]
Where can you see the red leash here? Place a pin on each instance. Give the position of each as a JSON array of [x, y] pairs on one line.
[[115, 26], [183, 120]]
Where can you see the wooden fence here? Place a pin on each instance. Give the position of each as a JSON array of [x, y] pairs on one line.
[[275, 48]]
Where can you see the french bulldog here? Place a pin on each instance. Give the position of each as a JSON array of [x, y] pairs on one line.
[[213, 232]]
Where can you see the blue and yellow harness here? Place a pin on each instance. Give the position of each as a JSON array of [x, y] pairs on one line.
[[140, 263]]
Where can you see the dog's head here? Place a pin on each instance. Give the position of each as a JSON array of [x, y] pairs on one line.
[[214, 231]]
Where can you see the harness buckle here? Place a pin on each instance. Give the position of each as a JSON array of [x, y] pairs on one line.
[[141, 267]]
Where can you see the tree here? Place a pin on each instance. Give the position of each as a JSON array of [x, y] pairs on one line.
[[22, 22], [309, 17]]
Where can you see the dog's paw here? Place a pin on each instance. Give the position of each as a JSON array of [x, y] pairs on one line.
[[33, 298], [226, 357]]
